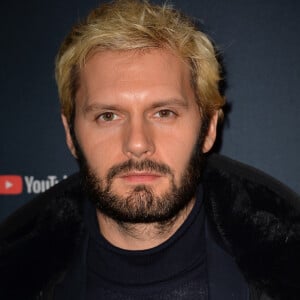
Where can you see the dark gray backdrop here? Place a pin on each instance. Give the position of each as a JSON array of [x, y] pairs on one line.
[[260, 44]]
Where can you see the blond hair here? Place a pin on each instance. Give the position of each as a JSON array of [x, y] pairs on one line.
[[133, 24]]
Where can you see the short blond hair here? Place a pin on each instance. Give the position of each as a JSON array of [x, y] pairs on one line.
[[134, 24]]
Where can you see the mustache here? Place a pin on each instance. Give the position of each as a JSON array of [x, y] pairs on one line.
[[143, 165]]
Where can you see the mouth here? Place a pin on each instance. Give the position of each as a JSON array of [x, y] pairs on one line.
[[140, 177]]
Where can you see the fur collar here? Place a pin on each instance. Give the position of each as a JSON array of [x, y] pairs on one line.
[[257, 218], [39, 240]]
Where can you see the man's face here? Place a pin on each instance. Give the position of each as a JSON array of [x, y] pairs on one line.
[[137, 126]]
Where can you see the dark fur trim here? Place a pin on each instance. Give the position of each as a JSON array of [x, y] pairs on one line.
[[41, 247], [259, 220]]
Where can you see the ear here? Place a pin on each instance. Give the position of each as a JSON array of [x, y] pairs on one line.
[[211, 133], [69, 139]]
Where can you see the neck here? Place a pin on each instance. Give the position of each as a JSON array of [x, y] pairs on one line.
[[140, 236]]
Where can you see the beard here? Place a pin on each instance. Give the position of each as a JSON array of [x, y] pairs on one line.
[[141, 204]]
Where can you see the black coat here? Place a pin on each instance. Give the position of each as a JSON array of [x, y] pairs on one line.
[[256, 218]]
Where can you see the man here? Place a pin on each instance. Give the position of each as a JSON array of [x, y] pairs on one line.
[[150, 216]]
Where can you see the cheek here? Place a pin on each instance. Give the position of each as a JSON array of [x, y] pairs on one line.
[[100, 153], [176, 151]]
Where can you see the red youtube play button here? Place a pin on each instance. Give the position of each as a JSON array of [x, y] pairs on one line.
[[11, 184]]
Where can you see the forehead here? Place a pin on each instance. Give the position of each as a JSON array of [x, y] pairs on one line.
[[154, 70]]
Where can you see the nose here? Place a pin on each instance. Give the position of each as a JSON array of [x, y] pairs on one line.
[[138, 140]]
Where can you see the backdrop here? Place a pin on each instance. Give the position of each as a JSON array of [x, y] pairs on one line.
[[260, 45]]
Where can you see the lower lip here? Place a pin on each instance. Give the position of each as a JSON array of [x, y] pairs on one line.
[[140, 178]]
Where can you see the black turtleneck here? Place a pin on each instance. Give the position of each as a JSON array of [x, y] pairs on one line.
[[176, 269]]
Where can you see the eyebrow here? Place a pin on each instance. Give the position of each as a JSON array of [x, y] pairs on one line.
[[173, 101], [161, 103], [97, 106]]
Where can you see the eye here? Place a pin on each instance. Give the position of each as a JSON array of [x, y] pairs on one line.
[[108, 116], [165, 113]]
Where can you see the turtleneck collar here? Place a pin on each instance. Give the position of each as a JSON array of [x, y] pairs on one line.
[[181, 253]]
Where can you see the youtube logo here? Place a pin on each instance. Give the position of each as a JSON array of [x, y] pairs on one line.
[[11, 184]]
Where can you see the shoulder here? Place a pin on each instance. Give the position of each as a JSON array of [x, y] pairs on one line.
[[240, 184], [37, 241], [223, 168], [258, 219]]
